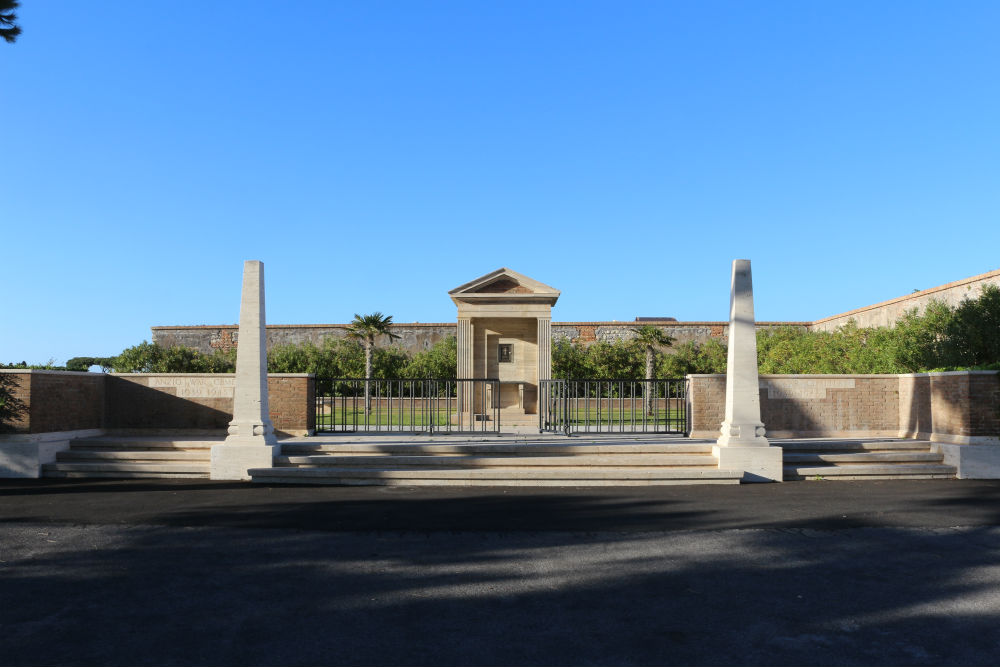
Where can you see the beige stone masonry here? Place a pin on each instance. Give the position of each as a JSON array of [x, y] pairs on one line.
[[251, 442]]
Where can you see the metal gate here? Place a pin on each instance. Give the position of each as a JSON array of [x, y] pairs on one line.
[[613, 406], [377, 405]]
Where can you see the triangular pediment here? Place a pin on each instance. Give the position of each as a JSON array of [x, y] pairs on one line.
[[505, 284]]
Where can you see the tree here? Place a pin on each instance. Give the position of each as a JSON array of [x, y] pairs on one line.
[[651, 339], [8, 30], [440, 362], [973, 332], [365, 329]]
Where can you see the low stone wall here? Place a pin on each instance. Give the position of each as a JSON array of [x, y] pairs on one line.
[[960, 407], [58, 400], [203, 402], [66, 401], [58, 406]]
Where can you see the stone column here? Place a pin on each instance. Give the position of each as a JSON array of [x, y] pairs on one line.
[[544, 349], [742, 444], [251, 442], [465, 371]]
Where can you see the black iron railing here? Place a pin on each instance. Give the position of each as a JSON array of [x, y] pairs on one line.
[[613, 406], [409, 406]]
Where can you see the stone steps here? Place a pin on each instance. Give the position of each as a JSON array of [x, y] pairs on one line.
[[403, 461], [126, 469], [139, 457], [513, 462], [519, 476], [493, 448], [863, 459]]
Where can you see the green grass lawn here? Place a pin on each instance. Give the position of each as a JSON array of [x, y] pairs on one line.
[[382, 418], [624, 417]]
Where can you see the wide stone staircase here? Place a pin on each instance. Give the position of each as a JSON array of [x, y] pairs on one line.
[[489, 460], [127, 457], [862, 459], [520, 461]]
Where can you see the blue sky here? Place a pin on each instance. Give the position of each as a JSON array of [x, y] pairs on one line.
[[377, 154]]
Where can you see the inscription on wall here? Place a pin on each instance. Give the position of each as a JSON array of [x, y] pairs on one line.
[[222, 387], [801, 388]]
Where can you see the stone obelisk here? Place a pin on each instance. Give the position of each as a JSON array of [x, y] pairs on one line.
[[742, 444], [251, 442]]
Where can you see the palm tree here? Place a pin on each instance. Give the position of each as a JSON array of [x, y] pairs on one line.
[[8, 30], [365, 328], [651, 338]]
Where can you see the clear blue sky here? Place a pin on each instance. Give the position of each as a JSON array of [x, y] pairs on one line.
[[377, 154]]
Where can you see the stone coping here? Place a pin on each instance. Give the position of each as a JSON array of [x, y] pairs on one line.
[[942, 373], [205, 375], [813, 376], [42, 371]]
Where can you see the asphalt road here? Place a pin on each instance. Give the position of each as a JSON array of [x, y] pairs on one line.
[[192, 573]]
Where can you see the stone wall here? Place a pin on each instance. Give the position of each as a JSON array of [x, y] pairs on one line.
[[961, 407], [887, 312], [417, 336], [202, 402], [58, 400], [206, 339]]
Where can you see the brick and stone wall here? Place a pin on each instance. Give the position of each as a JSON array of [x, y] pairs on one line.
[[202, 402], [58, 400], [961, 407]]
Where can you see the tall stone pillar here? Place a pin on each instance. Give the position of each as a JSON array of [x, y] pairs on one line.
[[544, 349], [742, 444], [465, 371], [251, 442]]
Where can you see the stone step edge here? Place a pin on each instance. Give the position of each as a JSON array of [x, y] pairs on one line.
[[497, 473], [849, 478], [123, 475], [340, 481], [652, 461], [866, 457], [124, 467], [862, 469], [87, 455], [852, 447], [500, 448]]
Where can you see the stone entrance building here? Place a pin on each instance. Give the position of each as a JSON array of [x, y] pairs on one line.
[[505, 331]]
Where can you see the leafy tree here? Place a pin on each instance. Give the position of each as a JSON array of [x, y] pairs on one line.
[[11, 407], [84, 363], [8, 29], [365, 329], [569, 360], [142, 358], [691, 357], [439, 362], [152, 358], [972, 334], [650, 339]]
